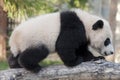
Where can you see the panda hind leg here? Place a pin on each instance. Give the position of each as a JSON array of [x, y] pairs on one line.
[[31, 57], [13, 61]]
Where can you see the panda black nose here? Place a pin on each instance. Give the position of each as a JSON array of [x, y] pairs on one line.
[[111, 52]]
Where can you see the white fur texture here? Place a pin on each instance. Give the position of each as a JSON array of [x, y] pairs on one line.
[[45, 27]]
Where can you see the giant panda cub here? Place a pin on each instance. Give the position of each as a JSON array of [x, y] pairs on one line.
[[69, 33]]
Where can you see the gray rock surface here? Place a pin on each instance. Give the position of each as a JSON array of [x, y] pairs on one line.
[[97, 70]]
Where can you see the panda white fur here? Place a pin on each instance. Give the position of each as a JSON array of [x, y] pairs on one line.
[[68, 33]]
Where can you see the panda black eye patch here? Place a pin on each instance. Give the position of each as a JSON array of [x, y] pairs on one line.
[[107, 42]]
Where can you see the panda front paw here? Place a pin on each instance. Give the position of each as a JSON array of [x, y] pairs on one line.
[[98, 58], [75, 62], [36, 69]]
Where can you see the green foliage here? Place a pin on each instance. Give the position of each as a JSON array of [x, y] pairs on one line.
[[3, 65], [49, 62], [26, 8], [44, 63], [18, 8], [77, 3]]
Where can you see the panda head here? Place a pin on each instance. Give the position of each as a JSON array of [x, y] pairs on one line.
[[101, 37], [98, 32]]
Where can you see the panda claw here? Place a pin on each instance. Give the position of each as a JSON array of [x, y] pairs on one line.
[[98, 58]]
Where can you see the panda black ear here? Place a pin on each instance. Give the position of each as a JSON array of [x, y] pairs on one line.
[[98, 25]]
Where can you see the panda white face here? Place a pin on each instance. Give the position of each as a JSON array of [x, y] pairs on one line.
[[101, 38], [107, 47]]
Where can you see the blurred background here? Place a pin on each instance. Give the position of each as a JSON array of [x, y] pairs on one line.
[[14, 12]]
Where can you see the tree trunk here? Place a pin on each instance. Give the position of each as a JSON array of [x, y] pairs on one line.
[[3, 30], [98, 70], [112, 19]]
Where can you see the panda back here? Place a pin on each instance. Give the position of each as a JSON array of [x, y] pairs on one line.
[[42, 30]]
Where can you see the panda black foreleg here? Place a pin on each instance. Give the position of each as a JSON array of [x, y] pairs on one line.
[[66, 46], [31, 57], [13, 61], [68, 57]]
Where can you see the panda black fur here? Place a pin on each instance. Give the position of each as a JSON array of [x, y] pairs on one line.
[[69, 33]]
